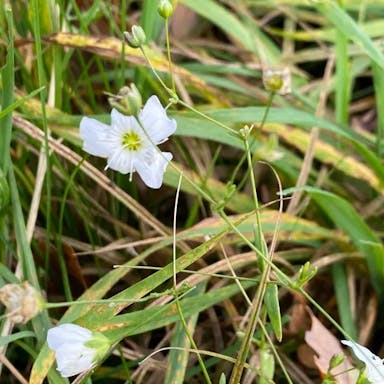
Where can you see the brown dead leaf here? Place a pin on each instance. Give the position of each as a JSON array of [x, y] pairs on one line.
[[300, 320], [184, 22], [306, 355], [75, 273], [326, 345]]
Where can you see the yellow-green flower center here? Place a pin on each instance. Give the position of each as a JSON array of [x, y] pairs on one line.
[[132, 141]]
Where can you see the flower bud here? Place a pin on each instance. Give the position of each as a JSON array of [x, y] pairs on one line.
[[306, 273], [336, 360], [23, 301], [127, 101], [136, 38], [278, 81], [165, 8]]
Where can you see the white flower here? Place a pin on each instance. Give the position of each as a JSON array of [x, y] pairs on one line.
[[127, 146], [374, 367], [77, 349]]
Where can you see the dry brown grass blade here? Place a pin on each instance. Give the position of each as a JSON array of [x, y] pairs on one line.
[[17, 375]]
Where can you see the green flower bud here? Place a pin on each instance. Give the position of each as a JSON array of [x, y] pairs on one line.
[[165, 8], [127, 101], [306, 273], [136, 38], [336, 360]]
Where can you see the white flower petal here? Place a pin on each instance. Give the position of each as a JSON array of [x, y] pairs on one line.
[[151, 167], [67, 333], [122, 122], [121, 160], [373, 364], [154, 119], [71, 366], [69, 343], [94, 135]]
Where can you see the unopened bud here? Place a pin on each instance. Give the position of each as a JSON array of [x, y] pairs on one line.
[[306, 273], [336, 360], [23, 301], [127, 101], [136, 38], [278, 81], [245, 131], [165, 8]]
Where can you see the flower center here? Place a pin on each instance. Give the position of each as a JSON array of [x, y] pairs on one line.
[[132, 141]]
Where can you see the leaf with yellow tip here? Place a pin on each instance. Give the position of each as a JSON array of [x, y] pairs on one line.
[[111, 47]]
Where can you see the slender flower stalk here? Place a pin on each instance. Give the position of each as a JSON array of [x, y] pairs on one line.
[[258, 299]]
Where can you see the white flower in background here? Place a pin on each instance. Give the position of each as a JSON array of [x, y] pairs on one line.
[[127, 146], [277, 80], [77, 349], [374, 367]]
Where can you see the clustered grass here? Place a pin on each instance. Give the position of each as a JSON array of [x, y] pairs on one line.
[[270, 218]]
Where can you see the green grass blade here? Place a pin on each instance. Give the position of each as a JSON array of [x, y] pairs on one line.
[[99, 314], [4, 340], [343, 81], [225, 20], [344, 23], [7, 78], [366, 241], [178, 359], [151, 20], [271, 300], [17, 104], [343, 299], [40, 323], [378, 82], [152, 318]]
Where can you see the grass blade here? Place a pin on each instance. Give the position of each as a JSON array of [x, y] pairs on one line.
[[344, 23]]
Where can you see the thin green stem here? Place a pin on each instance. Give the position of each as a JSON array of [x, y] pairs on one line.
[[177, 301], [284, 279], [160, 80], [176, 99], [258, 300], [63, 266], [261, 243], [243, 158], [169, 55], [226, 127], [277, 356]]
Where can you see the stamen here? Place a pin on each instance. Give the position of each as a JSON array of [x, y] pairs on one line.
[[131, 169], [131, 141]]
